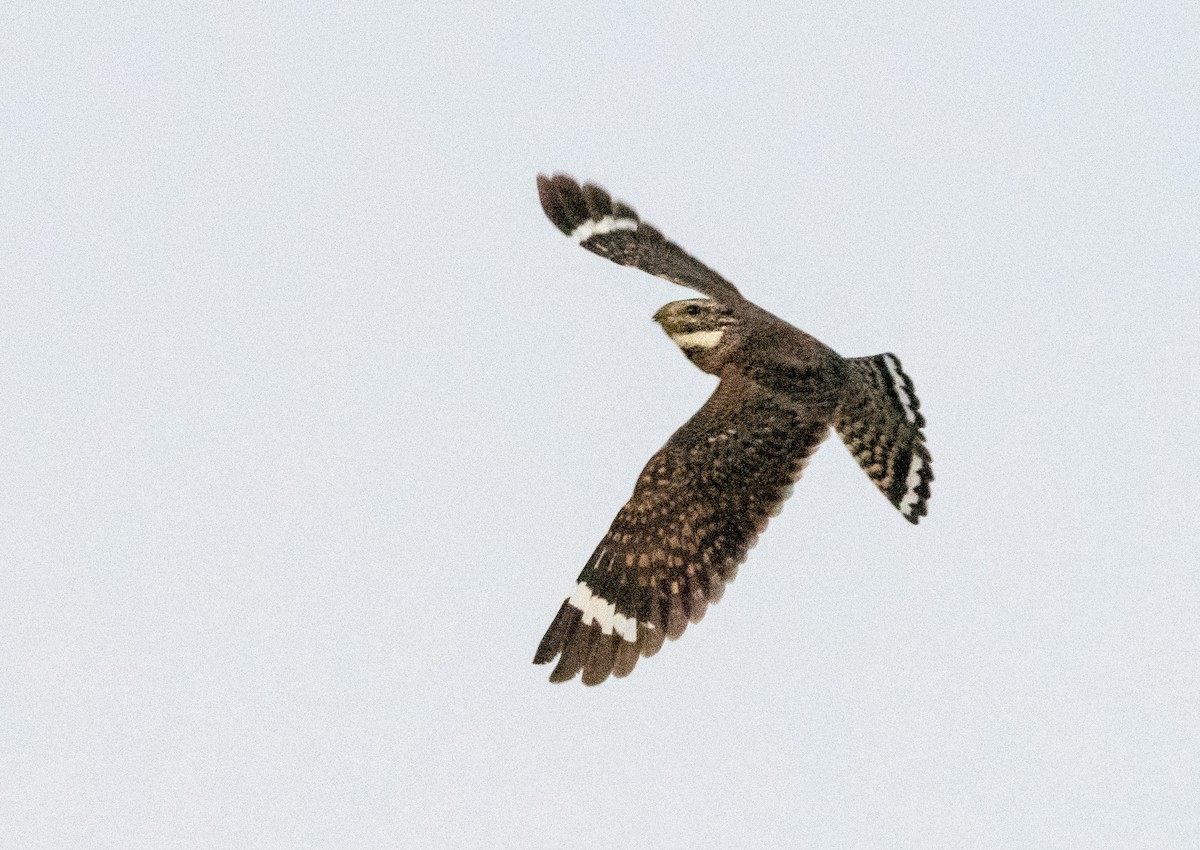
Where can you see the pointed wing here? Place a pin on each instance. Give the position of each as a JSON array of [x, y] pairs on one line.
[[697, 508], [612, 229], [880, 421]]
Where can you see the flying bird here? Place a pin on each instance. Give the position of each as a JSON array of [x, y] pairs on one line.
[[705, 497]]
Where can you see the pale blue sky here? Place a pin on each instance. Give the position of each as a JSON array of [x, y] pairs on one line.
[[312, 419]]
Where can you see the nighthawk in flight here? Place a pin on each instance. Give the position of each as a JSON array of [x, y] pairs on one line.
[[703, 499]]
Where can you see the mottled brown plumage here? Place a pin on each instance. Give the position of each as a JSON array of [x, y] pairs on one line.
[[705, 497]]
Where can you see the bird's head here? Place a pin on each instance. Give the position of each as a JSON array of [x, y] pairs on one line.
[[701, 327]]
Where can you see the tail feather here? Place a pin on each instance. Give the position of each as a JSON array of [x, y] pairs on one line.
[[880, 421]]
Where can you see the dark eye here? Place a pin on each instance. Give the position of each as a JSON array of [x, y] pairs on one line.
[[693, 310]]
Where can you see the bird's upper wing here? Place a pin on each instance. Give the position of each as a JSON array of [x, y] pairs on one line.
[[697, 508], [612, 229]]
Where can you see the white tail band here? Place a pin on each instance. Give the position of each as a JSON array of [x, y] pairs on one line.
[[906, 401]]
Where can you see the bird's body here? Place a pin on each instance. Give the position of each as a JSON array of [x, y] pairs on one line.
[[704, 498]]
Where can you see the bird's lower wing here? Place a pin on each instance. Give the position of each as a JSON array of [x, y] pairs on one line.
[[590, 216], [697, 508]]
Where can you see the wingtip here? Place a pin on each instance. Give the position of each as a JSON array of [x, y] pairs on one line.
[[551, 200], [559, 633], [571, 205]]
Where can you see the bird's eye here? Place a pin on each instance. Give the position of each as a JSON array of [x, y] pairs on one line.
[[693, 310]]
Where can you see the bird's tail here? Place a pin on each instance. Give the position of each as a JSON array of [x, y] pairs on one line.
[[879, 420]]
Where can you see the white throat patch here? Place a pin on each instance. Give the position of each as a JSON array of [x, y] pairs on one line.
[[698, 339]]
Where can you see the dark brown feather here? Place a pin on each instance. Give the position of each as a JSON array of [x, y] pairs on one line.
[[600, 663], [556, 636], [551, 206], [651, 640], [627, 656], [576, 652]]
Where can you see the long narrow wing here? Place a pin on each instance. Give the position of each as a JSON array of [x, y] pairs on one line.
[[880, 421], [612, 229], [697, 508]]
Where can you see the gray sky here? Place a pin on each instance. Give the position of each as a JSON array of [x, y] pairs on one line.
[[311, 419]]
